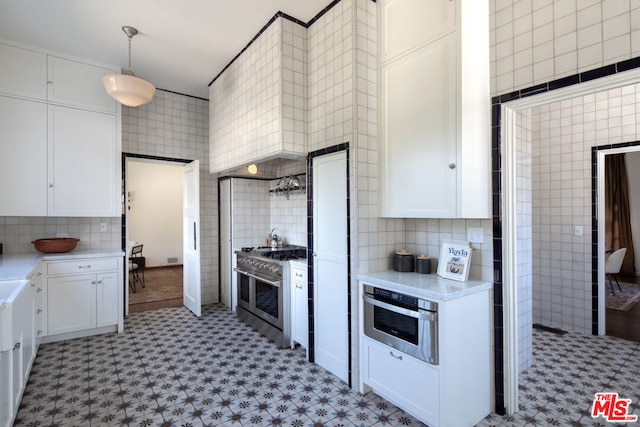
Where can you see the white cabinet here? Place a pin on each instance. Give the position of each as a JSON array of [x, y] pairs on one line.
[[83, 297], [455, 392], [409, 383], [59, 149], [34, 74], [434, 114], [299, 306], [23, 72], [23, 157], [16, 345], [83, 163]]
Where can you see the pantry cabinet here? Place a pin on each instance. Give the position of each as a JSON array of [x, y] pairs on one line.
[[434, 109], [299, 306], [83, 296], [59, 149]]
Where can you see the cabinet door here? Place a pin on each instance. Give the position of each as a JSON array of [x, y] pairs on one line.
[[418, 133], [23, 157], [107, 299], [6, 387], [23, 72], [403, 380], [78, 84], [83, 163], [300, 331], [407, 24], [71, 303]]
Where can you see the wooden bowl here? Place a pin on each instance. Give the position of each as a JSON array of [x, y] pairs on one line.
[[56, 245]]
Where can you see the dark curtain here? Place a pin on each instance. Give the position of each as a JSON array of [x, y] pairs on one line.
[[617, 215]]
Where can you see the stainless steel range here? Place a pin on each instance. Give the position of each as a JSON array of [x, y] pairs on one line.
[[263, 300]]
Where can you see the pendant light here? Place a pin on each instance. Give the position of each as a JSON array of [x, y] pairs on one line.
[[126, 88]]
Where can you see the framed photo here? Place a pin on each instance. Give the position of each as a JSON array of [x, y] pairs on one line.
[[455, 260]]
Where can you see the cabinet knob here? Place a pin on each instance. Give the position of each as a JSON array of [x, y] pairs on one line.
[[93, 282], [16, 346], [84, 266], [50, 185], [299, 286], [39, 290], [100, 281], [49, 82], [393, 355], [452, 165], [39, 311], [33, 285], [40, 332]]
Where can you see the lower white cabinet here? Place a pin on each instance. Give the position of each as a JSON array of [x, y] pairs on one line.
[[83, 296], [299, 306], [407, 382], [17, 349], [455, 392]]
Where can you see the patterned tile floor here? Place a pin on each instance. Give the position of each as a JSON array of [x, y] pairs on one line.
[[169, 368]]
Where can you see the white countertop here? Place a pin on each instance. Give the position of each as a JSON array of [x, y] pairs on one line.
[[425, 286], [18, 266]]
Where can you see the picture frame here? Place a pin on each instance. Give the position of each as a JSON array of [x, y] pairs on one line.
[[455, 260]]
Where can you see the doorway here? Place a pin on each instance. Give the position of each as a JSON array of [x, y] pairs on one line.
[[508, 116], [622, 310], [161, 210]]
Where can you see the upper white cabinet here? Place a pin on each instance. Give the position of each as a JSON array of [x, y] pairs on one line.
[[83, 163], [23, 72], [60, 142], [78, 84], [23, 157], [434, 109], [37, 75]]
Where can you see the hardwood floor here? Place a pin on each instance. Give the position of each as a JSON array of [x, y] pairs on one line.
[[624, 324], [163, 288]]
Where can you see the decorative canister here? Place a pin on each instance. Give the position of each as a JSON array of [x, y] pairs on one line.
[[403, 261], [423, 264]]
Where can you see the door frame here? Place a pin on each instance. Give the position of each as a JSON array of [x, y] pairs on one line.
[[310, 258], [505, 109], [124, 223]]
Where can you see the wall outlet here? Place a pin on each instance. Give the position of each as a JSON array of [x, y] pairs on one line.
[[103, 227], [577, 230], [475, 235]]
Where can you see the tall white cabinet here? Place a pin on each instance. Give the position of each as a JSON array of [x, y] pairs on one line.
[[434, 108], [60, 138]]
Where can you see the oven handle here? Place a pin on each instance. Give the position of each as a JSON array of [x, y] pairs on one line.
[[421, 314], [276, 283]]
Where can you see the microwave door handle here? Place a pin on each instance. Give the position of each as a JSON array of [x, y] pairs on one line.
[[270, 282], [404, 311]]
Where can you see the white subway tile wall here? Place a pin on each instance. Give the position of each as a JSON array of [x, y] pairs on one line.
[[251, 212], [17, 233], [260, 98], [176, 126], [536, 41]]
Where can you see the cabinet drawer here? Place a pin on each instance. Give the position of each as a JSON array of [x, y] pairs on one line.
[[407, 382], [82, 266], [298, 274]]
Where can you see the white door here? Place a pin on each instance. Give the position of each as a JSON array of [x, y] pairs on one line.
[[191, 237], [226, 261], [330, 263]]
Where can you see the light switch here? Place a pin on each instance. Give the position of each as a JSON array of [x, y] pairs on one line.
[[475, 235], [103, 226], [577, 230]]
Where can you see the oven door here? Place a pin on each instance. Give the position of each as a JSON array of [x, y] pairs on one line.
[[414, 332], [245, 290], [268, 301]]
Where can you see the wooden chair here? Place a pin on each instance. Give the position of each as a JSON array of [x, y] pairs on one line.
[[136, 267]]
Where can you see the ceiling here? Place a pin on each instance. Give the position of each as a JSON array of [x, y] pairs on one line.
[[181, 45]]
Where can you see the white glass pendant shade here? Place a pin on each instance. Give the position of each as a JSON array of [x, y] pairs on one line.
[[128, 89]]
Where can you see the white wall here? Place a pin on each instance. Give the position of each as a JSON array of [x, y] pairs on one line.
[[154, 212], [633, 176]]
